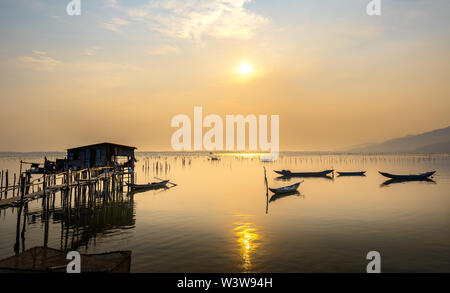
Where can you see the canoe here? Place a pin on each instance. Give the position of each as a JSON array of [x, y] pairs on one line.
[[358, 173], [152, 185], [408, 177], [286, 189], [288, 173]]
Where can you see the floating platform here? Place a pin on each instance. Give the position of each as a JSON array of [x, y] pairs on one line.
[[48, 260]]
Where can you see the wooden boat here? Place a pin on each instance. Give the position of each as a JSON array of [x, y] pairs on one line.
[[153, 185], [286, 189], [288, 173], [358, 173], [408, 177], [49, 260]]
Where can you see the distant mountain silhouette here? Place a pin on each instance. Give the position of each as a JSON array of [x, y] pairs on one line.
[[440, 147], [436, 141]]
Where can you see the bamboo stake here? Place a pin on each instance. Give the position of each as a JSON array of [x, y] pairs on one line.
[[1, 185], [267, 190], [14, 186], [6, 184]]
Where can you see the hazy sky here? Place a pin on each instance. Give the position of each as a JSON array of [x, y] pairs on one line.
[[120, 71]]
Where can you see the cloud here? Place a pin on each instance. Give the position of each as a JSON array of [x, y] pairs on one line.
[[163, 50], [138, 13], [37, 52], [111, 3], [40, 62], [115, 23], [197, 18], [91, 51]]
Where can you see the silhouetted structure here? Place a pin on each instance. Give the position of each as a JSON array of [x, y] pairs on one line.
[[100, 155]]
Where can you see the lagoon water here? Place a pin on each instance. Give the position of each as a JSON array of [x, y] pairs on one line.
[[219, 218]]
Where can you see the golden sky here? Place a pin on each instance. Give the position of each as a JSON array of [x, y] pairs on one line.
[[121, 70]]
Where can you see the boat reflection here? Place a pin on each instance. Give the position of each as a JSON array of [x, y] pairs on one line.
[[283, 195], [276, 197], [248, 240], [395, 181]]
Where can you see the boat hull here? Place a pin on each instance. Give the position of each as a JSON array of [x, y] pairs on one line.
[[161, 184], [361, 173], [287, 173], [286, 189], [408, 177]]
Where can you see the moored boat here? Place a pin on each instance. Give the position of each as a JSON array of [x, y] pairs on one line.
[[357, 173], [153, 185], [288, 173], [286, 189], [408, 177]]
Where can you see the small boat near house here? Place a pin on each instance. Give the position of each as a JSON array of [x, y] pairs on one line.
[[152, 185]]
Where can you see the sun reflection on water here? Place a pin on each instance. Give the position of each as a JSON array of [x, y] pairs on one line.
[[248, 240]]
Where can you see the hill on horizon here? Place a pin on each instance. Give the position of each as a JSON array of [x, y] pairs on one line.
[[436, 141]]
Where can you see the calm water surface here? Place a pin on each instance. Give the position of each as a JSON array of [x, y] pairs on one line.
[[219, 219]]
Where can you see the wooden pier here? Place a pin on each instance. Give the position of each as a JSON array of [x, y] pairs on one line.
[[94, 179], [89, 182]]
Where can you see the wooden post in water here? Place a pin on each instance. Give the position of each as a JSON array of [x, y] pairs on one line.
[[14, 185], [113, 183], [6, 184], [1, 185], [44, 198], [28, 178], [20, 177], [22, 188], [22, 234], [89, 182], [43, 186], [267, 190], [67, 179], [78, 189]]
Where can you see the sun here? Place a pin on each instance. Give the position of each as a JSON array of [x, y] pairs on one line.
[[245, 69]]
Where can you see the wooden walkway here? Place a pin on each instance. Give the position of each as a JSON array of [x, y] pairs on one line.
[[13, 201], [108, 177]]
